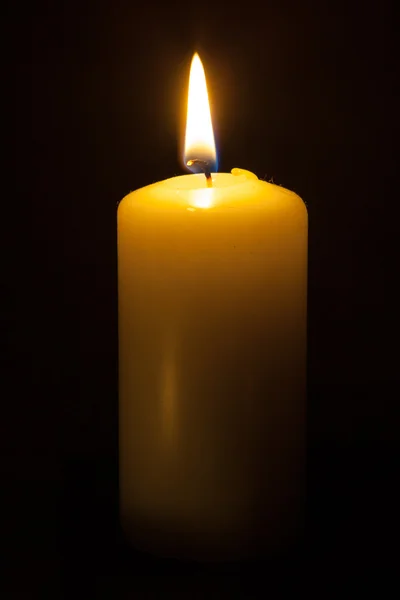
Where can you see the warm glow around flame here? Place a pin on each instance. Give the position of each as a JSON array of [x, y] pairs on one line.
[[199, 138]]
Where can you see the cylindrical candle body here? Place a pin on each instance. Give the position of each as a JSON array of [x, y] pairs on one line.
[[212, 365]]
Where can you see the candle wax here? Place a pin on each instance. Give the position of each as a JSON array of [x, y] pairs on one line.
[[212, 365]]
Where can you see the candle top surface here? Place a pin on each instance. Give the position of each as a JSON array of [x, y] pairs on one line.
[[229, 190]]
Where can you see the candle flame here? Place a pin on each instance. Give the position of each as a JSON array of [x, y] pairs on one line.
[[199, 138]]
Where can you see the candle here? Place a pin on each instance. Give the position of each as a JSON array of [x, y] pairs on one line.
[[212, 277]]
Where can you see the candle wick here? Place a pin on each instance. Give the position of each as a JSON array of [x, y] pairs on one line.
[[204, 166]]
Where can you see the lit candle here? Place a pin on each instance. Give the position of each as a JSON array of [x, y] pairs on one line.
[[212, 275]]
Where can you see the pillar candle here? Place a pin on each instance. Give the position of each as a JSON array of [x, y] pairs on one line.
[[212, 286]]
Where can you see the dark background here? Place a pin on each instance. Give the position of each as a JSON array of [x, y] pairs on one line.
[[301, 92]]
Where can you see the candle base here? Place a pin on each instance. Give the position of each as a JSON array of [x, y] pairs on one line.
[[168, 539]]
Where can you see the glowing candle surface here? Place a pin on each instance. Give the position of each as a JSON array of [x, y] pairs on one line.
[[212, 358]]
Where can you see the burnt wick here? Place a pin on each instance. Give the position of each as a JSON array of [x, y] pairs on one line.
[[204, 166]]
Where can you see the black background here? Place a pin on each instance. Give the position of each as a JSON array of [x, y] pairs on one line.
[[301, 92]]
